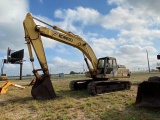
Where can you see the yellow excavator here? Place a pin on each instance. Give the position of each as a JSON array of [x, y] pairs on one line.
[[101, 70]]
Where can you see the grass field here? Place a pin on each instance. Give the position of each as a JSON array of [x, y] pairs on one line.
[[75, 105]]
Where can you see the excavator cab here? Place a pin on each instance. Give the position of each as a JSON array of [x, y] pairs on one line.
[[107, 66]]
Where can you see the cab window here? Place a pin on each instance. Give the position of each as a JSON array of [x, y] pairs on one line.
[[114, 63], [101, 63]]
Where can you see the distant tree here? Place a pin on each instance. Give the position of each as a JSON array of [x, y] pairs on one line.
[[28, 75], [72, 72]]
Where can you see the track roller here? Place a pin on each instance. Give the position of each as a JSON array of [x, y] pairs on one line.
[[100, 87]]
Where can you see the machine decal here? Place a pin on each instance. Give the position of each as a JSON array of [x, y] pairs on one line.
[[65, 37]]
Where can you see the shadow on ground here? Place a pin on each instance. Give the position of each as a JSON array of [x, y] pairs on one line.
[[73, 94], [62, 94], [131, 112]]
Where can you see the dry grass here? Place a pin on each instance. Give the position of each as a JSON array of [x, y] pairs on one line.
[[75, 105]]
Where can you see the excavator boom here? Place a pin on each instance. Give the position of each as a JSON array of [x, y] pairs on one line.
[[69, 38]]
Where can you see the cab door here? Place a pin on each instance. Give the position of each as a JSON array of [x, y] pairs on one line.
[[115, 67], [111, 67]]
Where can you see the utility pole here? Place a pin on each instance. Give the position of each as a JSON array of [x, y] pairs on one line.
[[148, 61], [21, 63]]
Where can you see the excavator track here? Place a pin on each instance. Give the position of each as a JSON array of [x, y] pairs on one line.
[[79, 84], [100, 87]]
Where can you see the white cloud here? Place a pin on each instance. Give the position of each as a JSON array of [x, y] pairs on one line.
[[148, 6], [130, 49], [132, 24], [80, 14], [105, 47], [120, 18], [58, 65], [11, 27], [14, 69], [135, 56], [137, 29], [11, 14], [48, 43]]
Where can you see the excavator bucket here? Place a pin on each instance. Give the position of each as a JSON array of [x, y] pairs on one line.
[[148, 94], [43, 89]]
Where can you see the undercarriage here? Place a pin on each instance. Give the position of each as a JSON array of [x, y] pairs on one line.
[[99, 86]]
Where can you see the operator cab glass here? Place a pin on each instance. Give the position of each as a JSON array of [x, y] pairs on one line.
[[107, 65], [101, 63]]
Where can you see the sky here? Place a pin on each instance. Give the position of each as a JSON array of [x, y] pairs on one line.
[[117, 28]]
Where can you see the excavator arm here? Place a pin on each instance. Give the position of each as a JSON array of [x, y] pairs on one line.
[[34, 41], [43, 88], [33, 35]]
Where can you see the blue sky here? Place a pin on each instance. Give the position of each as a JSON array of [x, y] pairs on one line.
[[117, 28]]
